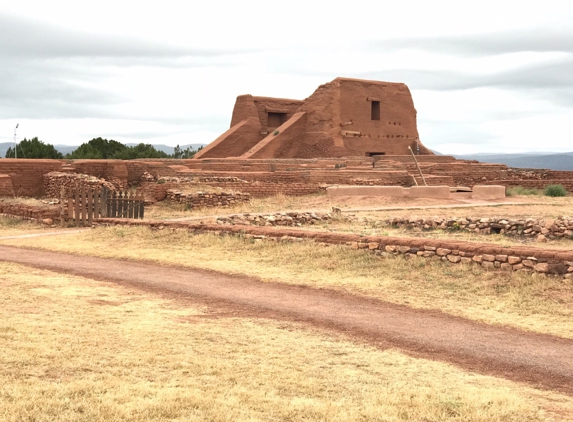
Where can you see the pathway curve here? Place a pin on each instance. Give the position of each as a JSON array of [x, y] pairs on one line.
[[540, 360]]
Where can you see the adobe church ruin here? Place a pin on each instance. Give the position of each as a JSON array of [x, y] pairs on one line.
[[343, 118]]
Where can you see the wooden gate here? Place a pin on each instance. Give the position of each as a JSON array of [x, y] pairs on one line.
[[81, 205]]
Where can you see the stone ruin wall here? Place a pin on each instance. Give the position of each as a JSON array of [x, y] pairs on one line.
[[489, 256], [30, 212], [541, 229], [54, 182], [270, 176], [207, 199]]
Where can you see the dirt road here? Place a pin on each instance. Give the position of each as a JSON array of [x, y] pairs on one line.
[[540, 360]]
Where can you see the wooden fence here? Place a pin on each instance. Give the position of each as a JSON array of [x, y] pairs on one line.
[[82, 205]]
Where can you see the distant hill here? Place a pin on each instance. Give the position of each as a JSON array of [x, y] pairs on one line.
[[4, 147], [544, 160], [66, 149]]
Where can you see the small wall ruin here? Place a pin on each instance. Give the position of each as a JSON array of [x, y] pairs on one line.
[[488, 256], [207, 199], [55, 181]]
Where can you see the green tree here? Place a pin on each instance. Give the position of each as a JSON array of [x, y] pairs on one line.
[[139, 151], [34, 148], [184, 153], [97, 148]]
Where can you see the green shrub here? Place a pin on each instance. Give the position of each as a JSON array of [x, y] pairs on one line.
[[555, 190], [521, 191]]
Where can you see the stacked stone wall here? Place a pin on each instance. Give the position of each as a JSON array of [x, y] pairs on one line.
[[540, 228], [29, 211], [55, 181], [208, 199], [488, 256], [287, 219]]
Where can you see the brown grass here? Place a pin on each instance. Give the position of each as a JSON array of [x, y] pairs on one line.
[[530, 302], [167, 210], [10, 226], [75, 349], [26, 201]]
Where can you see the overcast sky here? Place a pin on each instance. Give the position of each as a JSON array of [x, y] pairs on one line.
[[487, 76]]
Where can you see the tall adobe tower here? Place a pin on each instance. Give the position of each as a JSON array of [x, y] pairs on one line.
[[343, 118]]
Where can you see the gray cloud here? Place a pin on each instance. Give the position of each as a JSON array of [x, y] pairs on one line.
[[555, 74], [50, 90], [25, 38], [536, 40]]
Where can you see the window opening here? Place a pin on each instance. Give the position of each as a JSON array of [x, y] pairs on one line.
[[375, 112]]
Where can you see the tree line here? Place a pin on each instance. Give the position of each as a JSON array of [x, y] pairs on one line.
[[97, 148]]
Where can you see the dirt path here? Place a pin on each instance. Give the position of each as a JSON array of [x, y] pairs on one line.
[[51, 233], [540, 360]]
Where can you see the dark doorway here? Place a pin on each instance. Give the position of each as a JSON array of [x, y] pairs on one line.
[[375, 114], [274, 120]]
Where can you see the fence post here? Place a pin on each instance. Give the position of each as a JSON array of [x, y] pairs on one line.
[[77, 206], [90, 205], [97, 203], [70, 204], [63, 211], [113, 207]]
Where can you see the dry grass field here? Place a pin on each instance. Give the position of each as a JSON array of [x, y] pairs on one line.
[[530, 302], [169, 210], [10, 226], [75, 349], [518, 205]]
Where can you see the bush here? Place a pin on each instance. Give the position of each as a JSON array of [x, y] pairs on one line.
[[555, 190], [521, 191]]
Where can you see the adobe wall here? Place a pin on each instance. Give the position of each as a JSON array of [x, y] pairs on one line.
[[6, 187], [341, 118], [24, 177], [250, 124], [26, 174], [158, 191], [396, 128]]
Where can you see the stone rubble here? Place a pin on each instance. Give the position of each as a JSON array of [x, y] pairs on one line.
[[208, 199], [540, 229], [289, 219], [54, 181]]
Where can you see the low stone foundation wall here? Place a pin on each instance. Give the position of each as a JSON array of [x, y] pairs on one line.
[[539, 228], [292, 219], [515, 258], [29, 212], [208, 199]]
